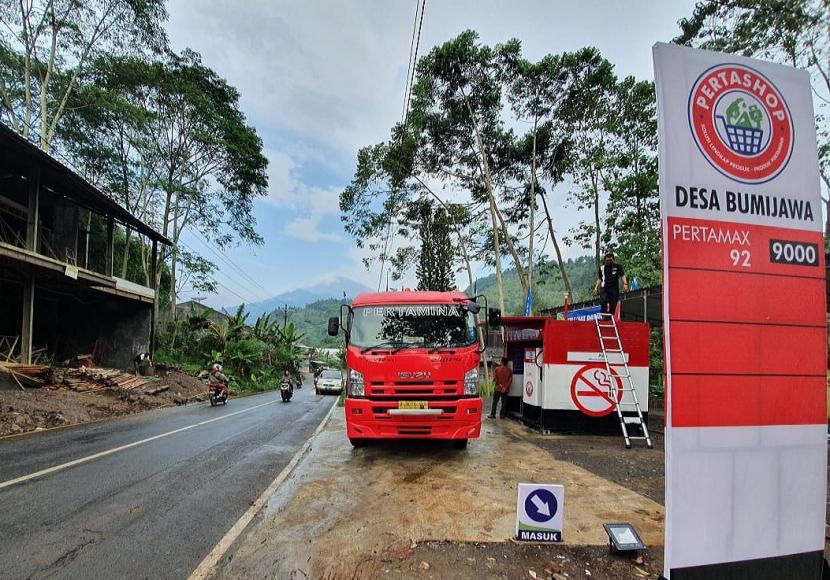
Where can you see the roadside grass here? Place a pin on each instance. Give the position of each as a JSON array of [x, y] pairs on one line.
[[341, 400], [486, 388]]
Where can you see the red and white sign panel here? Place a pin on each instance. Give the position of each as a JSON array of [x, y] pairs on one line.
[[744, 318]]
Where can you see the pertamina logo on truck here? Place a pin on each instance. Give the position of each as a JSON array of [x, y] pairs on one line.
[[412, 364]]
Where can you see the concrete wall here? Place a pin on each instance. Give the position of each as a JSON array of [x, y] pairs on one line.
[[114, 329]]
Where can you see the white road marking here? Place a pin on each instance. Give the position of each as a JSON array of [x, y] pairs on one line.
[[207, 565], [88, 458]]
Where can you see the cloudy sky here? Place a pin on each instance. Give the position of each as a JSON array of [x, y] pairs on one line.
[[321, 78]]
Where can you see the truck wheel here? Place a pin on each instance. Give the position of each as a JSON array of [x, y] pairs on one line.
[[358, 442], [459, 443]]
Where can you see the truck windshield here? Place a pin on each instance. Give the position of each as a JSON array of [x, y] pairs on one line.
[[413, 326]]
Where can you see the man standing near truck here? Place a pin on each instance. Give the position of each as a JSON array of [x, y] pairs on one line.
[[608, 284], [503, 377]]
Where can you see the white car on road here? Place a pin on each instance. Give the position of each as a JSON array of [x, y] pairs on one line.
[[330, 381]]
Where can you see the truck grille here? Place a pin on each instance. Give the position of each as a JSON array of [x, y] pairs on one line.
[[415, 390]]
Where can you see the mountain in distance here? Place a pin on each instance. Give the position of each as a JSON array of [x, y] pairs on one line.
[[301, 297], [548, 287]]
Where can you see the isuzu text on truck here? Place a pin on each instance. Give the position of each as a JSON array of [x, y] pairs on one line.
[[412, 363]]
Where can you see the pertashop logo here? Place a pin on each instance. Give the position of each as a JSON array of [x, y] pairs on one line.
[[741, 123]]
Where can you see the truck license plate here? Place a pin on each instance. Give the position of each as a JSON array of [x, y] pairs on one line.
[[412, 405]]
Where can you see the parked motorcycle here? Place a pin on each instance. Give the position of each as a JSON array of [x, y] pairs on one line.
[[286, 391], [217, 393]]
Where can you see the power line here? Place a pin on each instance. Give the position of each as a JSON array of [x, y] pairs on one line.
[[410, 73], [414, 61], [226, 287], [220, 284], [409, 63], [225, 258]]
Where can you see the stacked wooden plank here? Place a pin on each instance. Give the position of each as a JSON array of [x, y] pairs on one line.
[[24, 374], [78, 379], [96, 379]]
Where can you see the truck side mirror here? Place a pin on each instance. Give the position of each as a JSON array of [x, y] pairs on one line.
[[494, 317], [334, 326]]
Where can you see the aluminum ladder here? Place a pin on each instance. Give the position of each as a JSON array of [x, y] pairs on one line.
[[610, 343]]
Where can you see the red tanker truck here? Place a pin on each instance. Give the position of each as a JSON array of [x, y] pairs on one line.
[[412, 365]]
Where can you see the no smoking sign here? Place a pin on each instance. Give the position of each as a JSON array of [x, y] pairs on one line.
[[592, 392]]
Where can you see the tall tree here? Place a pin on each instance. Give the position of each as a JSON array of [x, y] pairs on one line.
[[167, 138], [106, 134], [45, 45], [456, 111], [633, 212], [545, 94], [209, 163], [589, 119], [436, 256]]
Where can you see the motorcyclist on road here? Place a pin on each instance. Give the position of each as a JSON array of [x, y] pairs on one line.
[[215, 377], [300, 379], [286, 379]]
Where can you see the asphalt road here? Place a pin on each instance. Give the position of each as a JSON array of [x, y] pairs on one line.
[[153, 510]]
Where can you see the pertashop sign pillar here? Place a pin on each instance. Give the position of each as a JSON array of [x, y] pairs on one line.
[[744, 312]]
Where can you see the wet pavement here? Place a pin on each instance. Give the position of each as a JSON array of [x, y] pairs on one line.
[[156, 507], [344, 511]]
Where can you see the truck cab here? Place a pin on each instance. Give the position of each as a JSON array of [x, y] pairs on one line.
[[412, 365]]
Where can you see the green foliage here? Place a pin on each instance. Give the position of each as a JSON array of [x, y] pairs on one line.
[[655, 358], [632, 222], [486, 388], [584, 126], [311, 322], [166, 139], [253, 357], [548, 287], [47, 45], [436, 257], [246, 355]]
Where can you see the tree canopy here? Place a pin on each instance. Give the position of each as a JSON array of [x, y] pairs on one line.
[[497, 138]]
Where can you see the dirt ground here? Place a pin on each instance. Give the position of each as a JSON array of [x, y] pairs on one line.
[[509, 560], [44, 408], [639, 469], [425, 510]]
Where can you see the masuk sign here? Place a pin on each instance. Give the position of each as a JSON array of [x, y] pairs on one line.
[[539, 512]]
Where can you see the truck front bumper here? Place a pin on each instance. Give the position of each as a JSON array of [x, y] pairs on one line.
[[371, 419]]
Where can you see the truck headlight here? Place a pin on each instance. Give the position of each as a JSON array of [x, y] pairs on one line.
[[355, 383], [471, 382]]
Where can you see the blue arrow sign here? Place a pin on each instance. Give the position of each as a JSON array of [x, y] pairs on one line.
[[541, 505]]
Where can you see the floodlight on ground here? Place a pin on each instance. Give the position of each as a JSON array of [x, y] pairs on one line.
[[622, 537]]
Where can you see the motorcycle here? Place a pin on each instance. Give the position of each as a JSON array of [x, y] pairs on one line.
[[286, 391], [217, 393]]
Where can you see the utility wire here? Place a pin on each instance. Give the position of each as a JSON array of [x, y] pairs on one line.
[[409, 63], [225, 286], [414, 61], [410, 72], [225, 258]]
